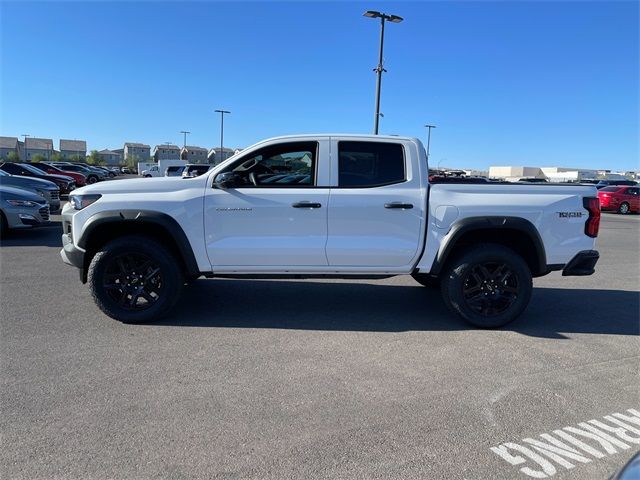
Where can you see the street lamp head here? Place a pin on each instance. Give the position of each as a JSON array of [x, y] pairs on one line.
[[394, 18], [372, 14], [221, 111], [430, 126]]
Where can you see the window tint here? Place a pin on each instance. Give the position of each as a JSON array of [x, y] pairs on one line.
[[632, 191], [370, 164], [283, 165], [609, 189]]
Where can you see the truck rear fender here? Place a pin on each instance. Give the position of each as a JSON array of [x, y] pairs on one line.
[[516, 233]]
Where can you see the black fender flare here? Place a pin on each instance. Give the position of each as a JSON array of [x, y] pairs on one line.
[[466, 225], [160, 219]]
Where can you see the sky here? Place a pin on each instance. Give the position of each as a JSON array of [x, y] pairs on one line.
[[506, 83]]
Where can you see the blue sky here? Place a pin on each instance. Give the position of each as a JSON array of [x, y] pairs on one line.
[[519, 83]]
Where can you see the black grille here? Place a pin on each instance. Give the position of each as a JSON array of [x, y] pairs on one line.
[[55, 195], [44, 213]]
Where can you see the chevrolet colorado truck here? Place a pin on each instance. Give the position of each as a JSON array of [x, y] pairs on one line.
[[347, 206]]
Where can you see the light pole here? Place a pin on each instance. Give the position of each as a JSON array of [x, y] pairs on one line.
[[25, 135], [221, 112], [379, 69], [184, 144], [429, 127]]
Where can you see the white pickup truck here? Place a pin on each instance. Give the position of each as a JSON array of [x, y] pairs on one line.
[[348, 206]]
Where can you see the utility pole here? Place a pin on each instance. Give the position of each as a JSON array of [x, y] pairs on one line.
[[222, 112], [25, 135], [379, 69], [429, 127], [185, 133]]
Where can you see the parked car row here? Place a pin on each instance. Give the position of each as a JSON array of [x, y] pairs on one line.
[[30, 192], [620, 198]]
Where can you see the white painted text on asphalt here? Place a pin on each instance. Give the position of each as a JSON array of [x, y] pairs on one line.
[[570, 446]]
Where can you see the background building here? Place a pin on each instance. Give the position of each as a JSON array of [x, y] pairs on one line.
[[515, 172], [166, 152], [194, 154], [111, 157], [73, 148], [215, 156], [8, 145], [139, 151], [38, 146]]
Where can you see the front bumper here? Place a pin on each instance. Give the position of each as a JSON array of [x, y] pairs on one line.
[[582, 264]]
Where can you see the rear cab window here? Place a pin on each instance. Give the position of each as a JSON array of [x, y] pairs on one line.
[[364, 164]]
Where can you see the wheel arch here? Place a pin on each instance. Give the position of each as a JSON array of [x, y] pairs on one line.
[[516, 233], [106, 226]]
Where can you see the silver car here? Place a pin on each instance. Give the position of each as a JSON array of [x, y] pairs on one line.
[[20, 208], [46, 189]]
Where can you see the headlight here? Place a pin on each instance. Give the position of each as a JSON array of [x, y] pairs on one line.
[[81, 201], [22, 203], [41, 193]]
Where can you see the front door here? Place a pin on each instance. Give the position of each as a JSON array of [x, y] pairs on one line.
[[273, 214]]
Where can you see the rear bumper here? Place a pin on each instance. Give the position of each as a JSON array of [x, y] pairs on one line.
[[582, 264]]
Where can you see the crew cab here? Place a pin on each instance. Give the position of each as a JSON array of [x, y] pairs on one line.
[[348, 206]]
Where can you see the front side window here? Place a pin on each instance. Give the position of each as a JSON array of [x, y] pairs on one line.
[[370, 164], [283, 165]]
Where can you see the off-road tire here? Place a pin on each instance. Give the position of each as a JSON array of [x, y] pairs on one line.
[[465, 272], [426, 280], [170, 278]]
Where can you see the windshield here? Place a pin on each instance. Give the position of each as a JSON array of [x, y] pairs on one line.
[[31, 169]]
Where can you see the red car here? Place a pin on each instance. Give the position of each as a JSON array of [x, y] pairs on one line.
[[620, 198], [80, 179]]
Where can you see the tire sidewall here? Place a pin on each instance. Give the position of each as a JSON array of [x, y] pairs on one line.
[[172, 278], [453, 281], [620, 208]]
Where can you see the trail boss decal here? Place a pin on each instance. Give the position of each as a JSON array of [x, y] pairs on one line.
[[570, 214]]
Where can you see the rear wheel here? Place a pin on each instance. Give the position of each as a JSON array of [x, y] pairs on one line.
[[624, 208], [134, 279], [487, 285]]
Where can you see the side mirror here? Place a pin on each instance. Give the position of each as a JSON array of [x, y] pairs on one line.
[[226, 180]]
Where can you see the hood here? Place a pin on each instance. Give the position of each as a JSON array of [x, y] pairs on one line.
[[12, 193], [62, 178], [136, 185], [28, 182]]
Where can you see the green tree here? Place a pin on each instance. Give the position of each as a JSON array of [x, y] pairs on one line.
[[13, 157], [132, 162], [57, 157], [95, 159], [77, 158], [38, 158]]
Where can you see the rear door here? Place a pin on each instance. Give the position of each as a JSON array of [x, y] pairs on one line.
[[376, 205], [276, 218]]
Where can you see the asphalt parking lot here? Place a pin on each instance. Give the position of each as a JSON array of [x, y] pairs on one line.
[[309, 379]]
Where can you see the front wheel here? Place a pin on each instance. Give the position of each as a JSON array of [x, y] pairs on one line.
[[134, 279], [91, 179], [624, 208], [487, 285]]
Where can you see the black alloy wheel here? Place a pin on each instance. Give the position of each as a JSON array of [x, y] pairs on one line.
[[488, 285], [133, 280], [490, 288]]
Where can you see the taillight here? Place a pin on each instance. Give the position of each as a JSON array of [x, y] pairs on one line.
[[592, 204]]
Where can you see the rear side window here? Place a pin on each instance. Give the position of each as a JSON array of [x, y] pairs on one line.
[[610, 189], [370, 164]]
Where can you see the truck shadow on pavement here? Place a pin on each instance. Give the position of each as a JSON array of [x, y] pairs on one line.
[[371, 307], [45, 236]]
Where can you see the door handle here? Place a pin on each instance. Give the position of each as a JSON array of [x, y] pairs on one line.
[[403, 206], [306, 205]]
